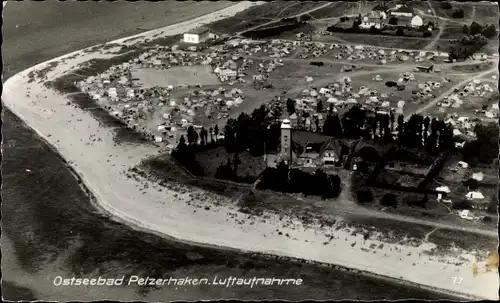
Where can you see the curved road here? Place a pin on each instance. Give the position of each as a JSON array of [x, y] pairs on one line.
[[49, 227]]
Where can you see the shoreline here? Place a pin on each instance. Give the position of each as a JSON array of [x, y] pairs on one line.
[[130, 221]]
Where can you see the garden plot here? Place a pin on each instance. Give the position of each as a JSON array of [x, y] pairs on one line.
[[174, 76]]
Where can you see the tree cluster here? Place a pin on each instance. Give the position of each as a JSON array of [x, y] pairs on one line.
[[258, 133], [485, 148], [283, 179], [186, 155], [488, 30], [433, 135], [458, 14], [467, 46]]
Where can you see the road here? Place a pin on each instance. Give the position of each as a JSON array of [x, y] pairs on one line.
[[278, 20], [433, 102], [442, 26]]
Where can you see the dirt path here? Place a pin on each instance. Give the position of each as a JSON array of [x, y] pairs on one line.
[[278, 20], [442, 25], [351, 208]]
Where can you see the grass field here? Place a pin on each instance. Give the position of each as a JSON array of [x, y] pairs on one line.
[[177, 75], [262, 14], [211, 159]]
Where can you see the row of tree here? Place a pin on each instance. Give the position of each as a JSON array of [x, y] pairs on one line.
[[488, 30], [283, 179], [418, 131], [467, 46], [258, 133]]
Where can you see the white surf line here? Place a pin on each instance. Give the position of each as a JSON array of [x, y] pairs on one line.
[[207, 228]]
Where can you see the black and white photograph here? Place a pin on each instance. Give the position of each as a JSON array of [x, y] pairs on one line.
[[163, 151]]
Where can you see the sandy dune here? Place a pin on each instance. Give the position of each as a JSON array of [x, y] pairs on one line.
[[101, 165]]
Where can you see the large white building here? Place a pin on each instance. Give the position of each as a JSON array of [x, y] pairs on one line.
[[198, 35]]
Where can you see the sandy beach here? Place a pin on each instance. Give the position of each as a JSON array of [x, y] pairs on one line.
[[102, 165]]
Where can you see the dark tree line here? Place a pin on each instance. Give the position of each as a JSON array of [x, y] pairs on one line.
[[467, 46], [485, 148], [283, 179], [487, 30], [186, 155], [258, 133], [418, 132]]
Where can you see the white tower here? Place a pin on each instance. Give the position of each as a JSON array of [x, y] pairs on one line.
[[286, 142]]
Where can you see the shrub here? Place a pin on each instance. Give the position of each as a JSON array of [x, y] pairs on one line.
[[458, 14], [489, 31], [427, 34], [364, 196], [446, 5], [374, 30], [400, 32], [393, 21], [391, 83], [389, 200], [475, 28]]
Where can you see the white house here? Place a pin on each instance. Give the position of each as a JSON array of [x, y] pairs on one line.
[[417, 21], [198, 35], [401, 10], [375, 19]]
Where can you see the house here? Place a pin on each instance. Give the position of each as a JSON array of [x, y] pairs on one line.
[[308, 149], [402, 10], [330, 152], [198, 35], [375, 19], [417, 21], [426, 69]]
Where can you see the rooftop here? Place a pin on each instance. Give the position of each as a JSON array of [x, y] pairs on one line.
[[199, 30]]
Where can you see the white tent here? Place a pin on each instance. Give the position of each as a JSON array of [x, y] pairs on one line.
[[456, 132], [463, 164], [478, 176], [474, 195], [443, 189], [417, 21]]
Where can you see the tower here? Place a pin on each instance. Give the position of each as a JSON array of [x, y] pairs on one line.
[[286, 142]]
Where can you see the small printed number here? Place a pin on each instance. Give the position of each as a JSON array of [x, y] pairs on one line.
[[457, 280]]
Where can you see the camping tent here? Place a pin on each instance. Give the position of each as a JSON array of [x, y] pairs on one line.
[[474, 195]]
